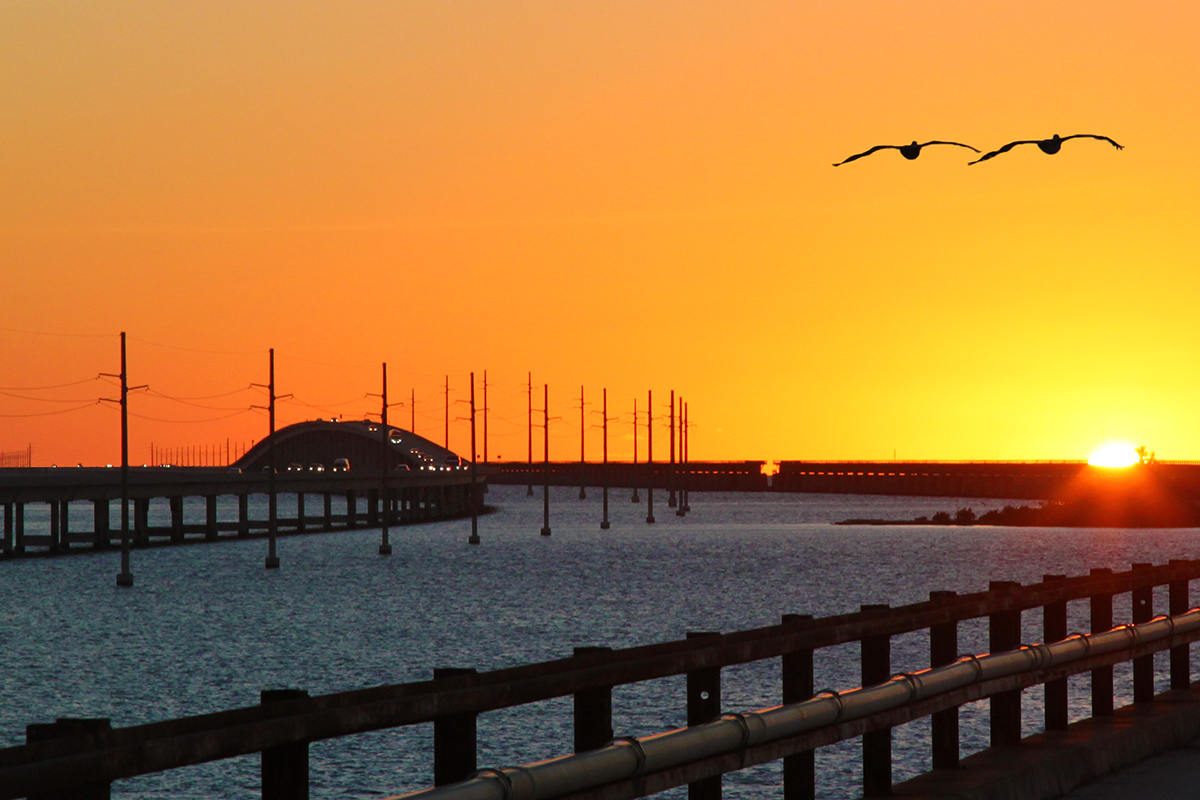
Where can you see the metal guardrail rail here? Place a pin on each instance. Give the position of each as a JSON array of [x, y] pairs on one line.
[[281, 727]]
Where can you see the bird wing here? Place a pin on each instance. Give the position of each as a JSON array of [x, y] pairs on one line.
[[868, 152], [957, 144], [1004, 149], [1093, 136]]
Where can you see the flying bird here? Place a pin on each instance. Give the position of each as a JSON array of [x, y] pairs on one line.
[[1048, 146], [909, 151]]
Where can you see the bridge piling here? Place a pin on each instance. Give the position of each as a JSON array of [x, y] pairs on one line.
[[243, 528], [876, 664], [100, 526], [327, 522], [943, 649], [210, 517], [285, 766], [799, 770], [7, 544], [56, 542], [1054, 629]]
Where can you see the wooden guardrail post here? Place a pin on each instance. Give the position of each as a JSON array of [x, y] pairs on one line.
[[1181, 669], [1102, 677], [1143, 611], [943, 650], [1054, 629], [95, 728], [876, 662], [1004, 633], [593, 711], [704, 705], [285, 766], [454, 736], [799, 770]]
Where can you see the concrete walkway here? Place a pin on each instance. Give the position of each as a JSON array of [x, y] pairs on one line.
[[1171, 775]]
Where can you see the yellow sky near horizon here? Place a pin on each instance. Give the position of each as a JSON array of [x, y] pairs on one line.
[[614, 194]]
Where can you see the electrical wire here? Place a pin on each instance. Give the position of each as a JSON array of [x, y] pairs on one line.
[[44, 399], [42, 388], [50, 413], [188, 421]]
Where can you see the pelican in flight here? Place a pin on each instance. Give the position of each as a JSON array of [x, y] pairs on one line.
[[909, 151], [1048, 146]]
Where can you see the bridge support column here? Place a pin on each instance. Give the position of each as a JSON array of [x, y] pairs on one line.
[[1004, 633], [64, 525], [141, 520], [95, 728], [328, 522], [300, 512], [18, 528], [100, 535], [593, 711], [704, 705], [1143, 611], [55, 534], [876, 658], [351, 508], [454, 752], [176, 519], [373, 507], [943, 650], [1054, 629], [799, 771], [7, 545], [210, 517], [243, 515], [1102, 677], [1181, 677], [285, 766]]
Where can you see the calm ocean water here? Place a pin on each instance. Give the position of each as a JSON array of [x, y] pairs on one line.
[[206, 627]]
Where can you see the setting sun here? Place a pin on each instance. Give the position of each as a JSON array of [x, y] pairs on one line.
[[1114, 454]]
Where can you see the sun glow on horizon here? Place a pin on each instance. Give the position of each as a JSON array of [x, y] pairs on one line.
[[1114, 454]]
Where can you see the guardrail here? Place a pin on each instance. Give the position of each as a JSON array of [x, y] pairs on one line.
[[58, 756]]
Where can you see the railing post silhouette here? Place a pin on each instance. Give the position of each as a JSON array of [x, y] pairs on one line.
[[876, 662], [1102, 677], [1181, 669], [1142, 610], [943, 649], [593, 711], [454, 750], [1004, 633], [799, 771], [704, 705], [63, 727], [284, 766], [1054, 629]]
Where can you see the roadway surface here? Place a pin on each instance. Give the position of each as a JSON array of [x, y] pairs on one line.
[[1171, 775]]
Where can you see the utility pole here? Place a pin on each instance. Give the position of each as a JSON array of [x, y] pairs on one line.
[[687, 456], [447, 445], [272, 561], [125, 576], [485, 416], [385, 505], [680, 473], [634, 481], [671, 470], [412, 410], [604, 470], [582, 428], [650, 457], [546, 461], [474, 537], [529, 492]]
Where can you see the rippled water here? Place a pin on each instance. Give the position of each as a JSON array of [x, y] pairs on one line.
[[206, 627]]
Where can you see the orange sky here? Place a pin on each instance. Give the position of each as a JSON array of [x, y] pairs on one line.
[[616, 194]]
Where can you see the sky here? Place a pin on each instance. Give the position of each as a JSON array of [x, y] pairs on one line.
[[613, 195]]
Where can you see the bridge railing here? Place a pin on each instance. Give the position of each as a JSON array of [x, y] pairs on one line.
[[72, 753]]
